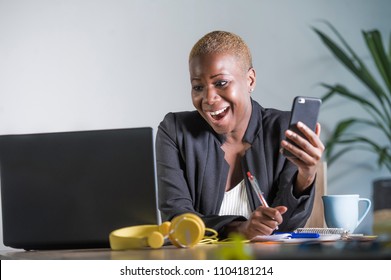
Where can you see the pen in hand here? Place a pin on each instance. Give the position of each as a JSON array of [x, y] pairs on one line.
[[255, 185], [257, 189]]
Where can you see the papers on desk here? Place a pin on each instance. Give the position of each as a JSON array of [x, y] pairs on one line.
[[296, 237], [344, 234], [301, 235]]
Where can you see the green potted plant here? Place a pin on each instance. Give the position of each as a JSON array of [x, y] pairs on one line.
[[348, 133]]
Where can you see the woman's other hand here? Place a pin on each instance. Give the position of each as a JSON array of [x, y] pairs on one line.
[[307, 154]]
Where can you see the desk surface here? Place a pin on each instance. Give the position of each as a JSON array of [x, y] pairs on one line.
[[286, 251]]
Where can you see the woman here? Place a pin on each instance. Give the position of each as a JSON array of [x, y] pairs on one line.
[[203, 156]]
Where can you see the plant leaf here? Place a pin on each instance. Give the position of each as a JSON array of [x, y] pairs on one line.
[[375, 45], [348, 134], [337, 51], [389, 50], [330, 159], [354, 64], [334, 139], [384, 159], [341, 90]]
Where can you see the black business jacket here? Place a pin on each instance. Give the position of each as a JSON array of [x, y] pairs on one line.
[[192, 172]]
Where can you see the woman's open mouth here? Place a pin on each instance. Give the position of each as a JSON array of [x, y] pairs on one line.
[[219, 114]]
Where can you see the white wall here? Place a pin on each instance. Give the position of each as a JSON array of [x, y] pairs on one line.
[[81, 65]]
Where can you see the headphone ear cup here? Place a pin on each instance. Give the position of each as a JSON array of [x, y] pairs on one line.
[[134, 237], [155, 240], [186, 230], [164, 228]]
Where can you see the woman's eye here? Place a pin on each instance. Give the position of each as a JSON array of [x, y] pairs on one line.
[[221, 83], [197, 88]]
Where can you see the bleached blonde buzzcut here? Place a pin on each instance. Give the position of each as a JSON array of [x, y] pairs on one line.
[[223, 42]]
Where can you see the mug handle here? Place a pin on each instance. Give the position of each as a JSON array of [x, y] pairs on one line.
[[368, 202]]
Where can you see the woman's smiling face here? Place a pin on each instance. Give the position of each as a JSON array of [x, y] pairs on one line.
[[221, 90]]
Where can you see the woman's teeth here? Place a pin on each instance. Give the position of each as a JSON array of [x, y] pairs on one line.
[[215, 113]]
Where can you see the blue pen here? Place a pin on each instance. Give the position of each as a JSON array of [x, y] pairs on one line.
[[300, 234], [304, 235]]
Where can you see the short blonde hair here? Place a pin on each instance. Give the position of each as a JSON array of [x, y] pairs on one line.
[[223, 42]]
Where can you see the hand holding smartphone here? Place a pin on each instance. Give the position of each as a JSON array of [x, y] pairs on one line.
[[305, 110]]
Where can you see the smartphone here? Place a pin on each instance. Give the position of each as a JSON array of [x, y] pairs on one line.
[[306, 110]]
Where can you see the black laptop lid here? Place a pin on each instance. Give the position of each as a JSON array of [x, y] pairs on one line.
[[71, 189]]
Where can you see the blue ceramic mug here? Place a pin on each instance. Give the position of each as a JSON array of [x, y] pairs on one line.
[[342, 211]]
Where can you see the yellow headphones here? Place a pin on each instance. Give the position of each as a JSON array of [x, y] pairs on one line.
[[185, 230]]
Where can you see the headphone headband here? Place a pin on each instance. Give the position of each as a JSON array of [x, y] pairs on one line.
[[185, 230]]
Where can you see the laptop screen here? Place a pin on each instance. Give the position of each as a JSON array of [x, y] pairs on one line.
[[71, 189]]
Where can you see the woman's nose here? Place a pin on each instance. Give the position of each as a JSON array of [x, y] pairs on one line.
[[211, 96]]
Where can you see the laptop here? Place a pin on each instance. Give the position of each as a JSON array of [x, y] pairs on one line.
[[69, 190]]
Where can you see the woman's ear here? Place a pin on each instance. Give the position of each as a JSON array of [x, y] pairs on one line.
[[251, 79]]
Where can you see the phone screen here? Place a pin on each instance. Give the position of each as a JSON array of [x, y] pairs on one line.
[[305, 110]]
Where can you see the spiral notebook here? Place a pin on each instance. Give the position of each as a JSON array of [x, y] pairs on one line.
[[322, 231], [338, 233]]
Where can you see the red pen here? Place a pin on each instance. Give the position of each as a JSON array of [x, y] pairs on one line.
[[257, 189]]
